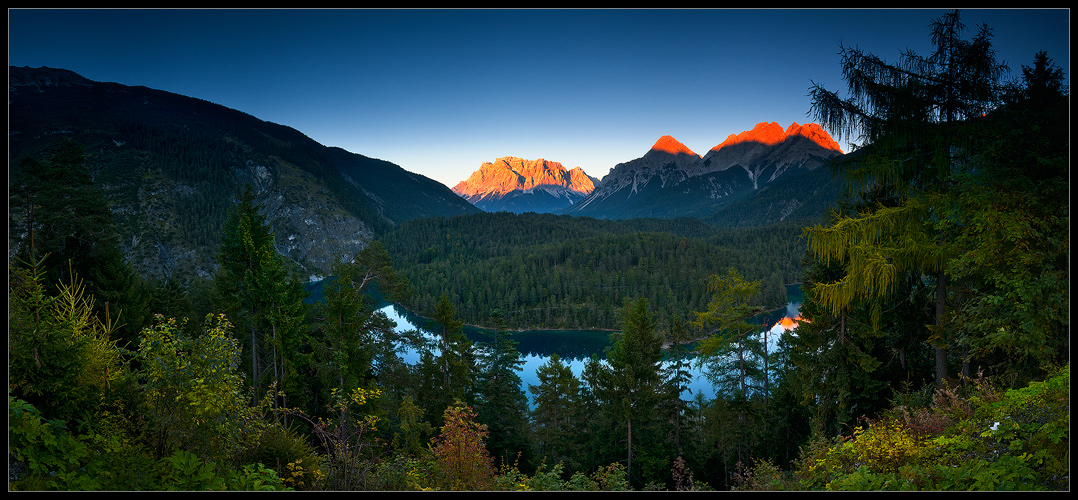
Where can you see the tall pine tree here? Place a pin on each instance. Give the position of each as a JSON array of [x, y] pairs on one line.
[[254, 289], [556, 417], [629, 394], [501, 404], [60, 220]]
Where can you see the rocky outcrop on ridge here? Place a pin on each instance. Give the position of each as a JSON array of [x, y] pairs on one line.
[[518, 185]]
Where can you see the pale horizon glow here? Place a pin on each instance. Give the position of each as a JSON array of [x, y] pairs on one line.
[[441, 91]]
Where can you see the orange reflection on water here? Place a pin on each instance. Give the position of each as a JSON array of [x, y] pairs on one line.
[[789, 323]]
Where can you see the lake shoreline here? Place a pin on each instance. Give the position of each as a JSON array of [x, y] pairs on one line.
[[479, 328]]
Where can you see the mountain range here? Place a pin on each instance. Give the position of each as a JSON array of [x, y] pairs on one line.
[[170, 167], [516, 185], [757, 177], [670, 180]]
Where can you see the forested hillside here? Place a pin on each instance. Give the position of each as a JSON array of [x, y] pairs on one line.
[[169, 166], [562, 272]]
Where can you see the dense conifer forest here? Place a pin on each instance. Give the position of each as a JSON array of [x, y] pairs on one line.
[[560, 272], [935, 355]]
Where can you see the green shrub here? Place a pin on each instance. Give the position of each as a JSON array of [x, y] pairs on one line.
[[1015, 440]]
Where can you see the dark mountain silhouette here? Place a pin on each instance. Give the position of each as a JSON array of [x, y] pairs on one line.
[[170, 166]]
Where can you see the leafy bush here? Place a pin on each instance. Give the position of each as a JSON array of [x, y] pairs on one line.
[[610, 478], [764, 475], [50, 457], [1016, 440]]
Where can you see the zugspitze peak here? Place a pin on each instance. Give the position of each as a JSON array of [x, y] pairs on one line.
[[518, 185]]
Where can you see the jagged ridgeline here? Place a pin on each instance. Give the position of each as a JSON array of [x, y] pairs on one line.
[[755, 178], [170, 167], [546, 271]]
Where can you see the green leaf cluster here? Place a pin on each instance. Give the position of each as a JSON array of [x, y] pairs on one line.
[[1015, 440], [51, 457]]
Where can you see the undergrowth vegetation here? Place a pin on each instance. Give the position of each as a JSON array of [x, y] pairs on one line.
[[988, 440]]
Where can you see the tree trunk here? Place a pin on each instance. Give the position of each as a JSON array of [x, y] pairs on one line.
[[629, 468], [254, 357], [941, 352], [767, 374]]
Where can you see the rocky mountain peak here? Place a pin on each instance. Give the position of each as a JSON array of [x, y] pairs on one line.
[[815, 133], [505, 183], [771, 134], [764, 133], [668, 144], [511, 173], [670, 179], [767, 151]]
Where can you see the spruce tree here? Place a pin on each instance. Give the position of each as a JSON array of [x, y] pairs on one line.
[[731, 354], [501, 404], [557, 415], [60, 219], [256, 292], [629, 392], [456, 363], [676, 380], [1011, 225], [915, 117]]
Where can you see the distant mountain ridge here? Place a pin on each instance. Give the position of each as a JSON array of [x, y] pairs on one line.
[[670, 180], [169, 166], [768, 145], [512, 184]]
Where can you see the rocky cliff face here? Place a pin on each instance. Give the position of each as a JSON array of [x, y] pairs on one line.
[[311, 228], [667, 162], [670, 180], [518, 185], [767, 151]]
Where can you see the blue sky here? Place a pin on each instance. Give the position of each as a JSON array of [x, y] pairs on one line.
[[438, 92]]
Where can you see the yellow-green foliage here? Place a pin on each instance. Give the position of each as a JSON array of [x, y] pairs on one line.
[[882, 447], [61, 353], [51, 457], [764, 475], [885, 446], [192, 387], [300, 476], [1017, 440]]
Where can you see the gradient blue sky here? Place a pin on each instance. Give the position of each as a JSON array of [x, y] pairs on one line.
[[438, 92]]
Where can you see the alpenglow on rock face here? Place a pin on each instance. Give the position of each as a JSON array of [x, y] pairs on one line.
[[512, 184], [766, 152], [670, 180]]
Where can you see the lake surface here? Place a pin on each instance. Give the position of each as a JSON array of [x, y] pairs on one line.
[[575, 347]]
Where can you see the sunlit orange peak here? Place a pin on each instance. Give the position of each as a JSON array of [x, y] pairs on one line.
[[670, 145], [763, 132], [772, 133], [815, 133]]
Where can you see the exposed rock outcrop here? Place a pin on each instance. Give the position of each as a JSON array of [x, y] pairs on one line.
[[518, 185]]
